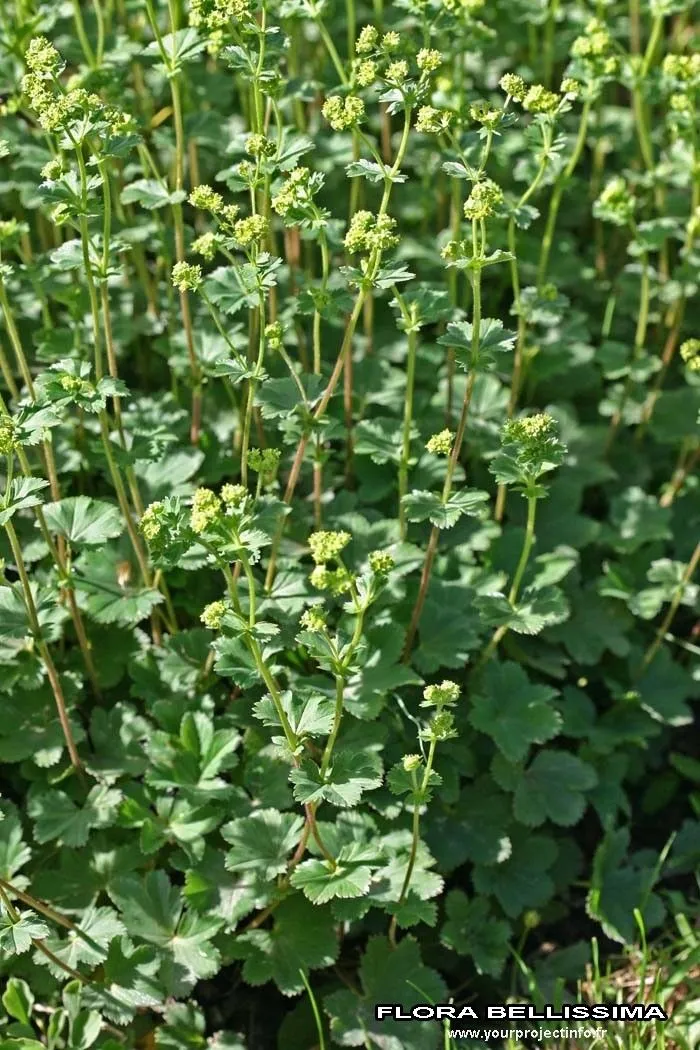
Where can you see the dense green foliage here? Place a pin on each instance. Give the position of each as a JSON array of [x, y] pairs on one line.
[[350, 511]]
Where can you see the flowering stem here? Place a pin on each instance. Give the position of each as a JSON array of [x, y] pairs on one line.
[[558, 192], [29, 383], [254, 646], [415, 839], [82, 35], [176, 98], [516, 379], [528, 542], [346, 347], [407, 415], [686, 464], [456, 450], [672, 609], [42, 647], [639, 339], [60, 560], [252, 388]]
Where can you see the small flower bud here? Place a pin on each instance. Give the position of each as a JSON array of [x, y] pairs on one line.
[[396, 72], [441, 695], [428, 60], [213, 614], [514, 86], [539, 100], [367, 40], [187, 276], [366, 72], [381, 562], [206, 246], [234, 495], [8, 439], [485, 114], [260, 146], [440, 444], [206, 507], [313, 620], [343, 113], [411, 763], [264, 461], [41, 56], [206, 198], [151, 521], [483, 199], [431, 121], [325, 546], [616, 204], [690, 353], [273, 335], [570, 87], [251, 230]]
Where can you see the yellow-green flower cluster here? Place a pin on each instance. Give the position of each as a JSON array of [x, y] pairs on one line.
[[216, 14], [233, 496], [213, 614], [431, 121], [539, 100], [11, 229], [483, 200], [367, 40], [75, 385], [264, 461], [53, 169], [8, 437], [682, 68], [325, 546], [369, 232], [595, 50], [616, 203], [207, 199], [396, 72], [428, 60], [313, 620], [335, 581], [250, 231], [228, 215], [381, 562], [411, 763], [343, 113], [187, 276], [152, 520], [55, 111], [690, 353], [440, 444], [530, 430], [485, 114], [295, 192], [364, 72], [206, 507], [514, 86], [441, 695], [206, 245], [570, 87], [274, 334], [42, 57], [260, 146]]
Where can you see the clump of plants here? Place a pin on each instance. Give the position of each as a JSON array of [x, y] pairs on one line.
[[349, 434]]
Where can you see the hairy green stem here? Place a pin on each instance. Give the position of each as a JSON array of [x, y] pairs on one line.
[[528, 543]]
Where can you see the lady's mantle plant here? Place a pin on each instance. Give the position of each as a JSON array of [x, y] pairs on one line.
[[348, 419]]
